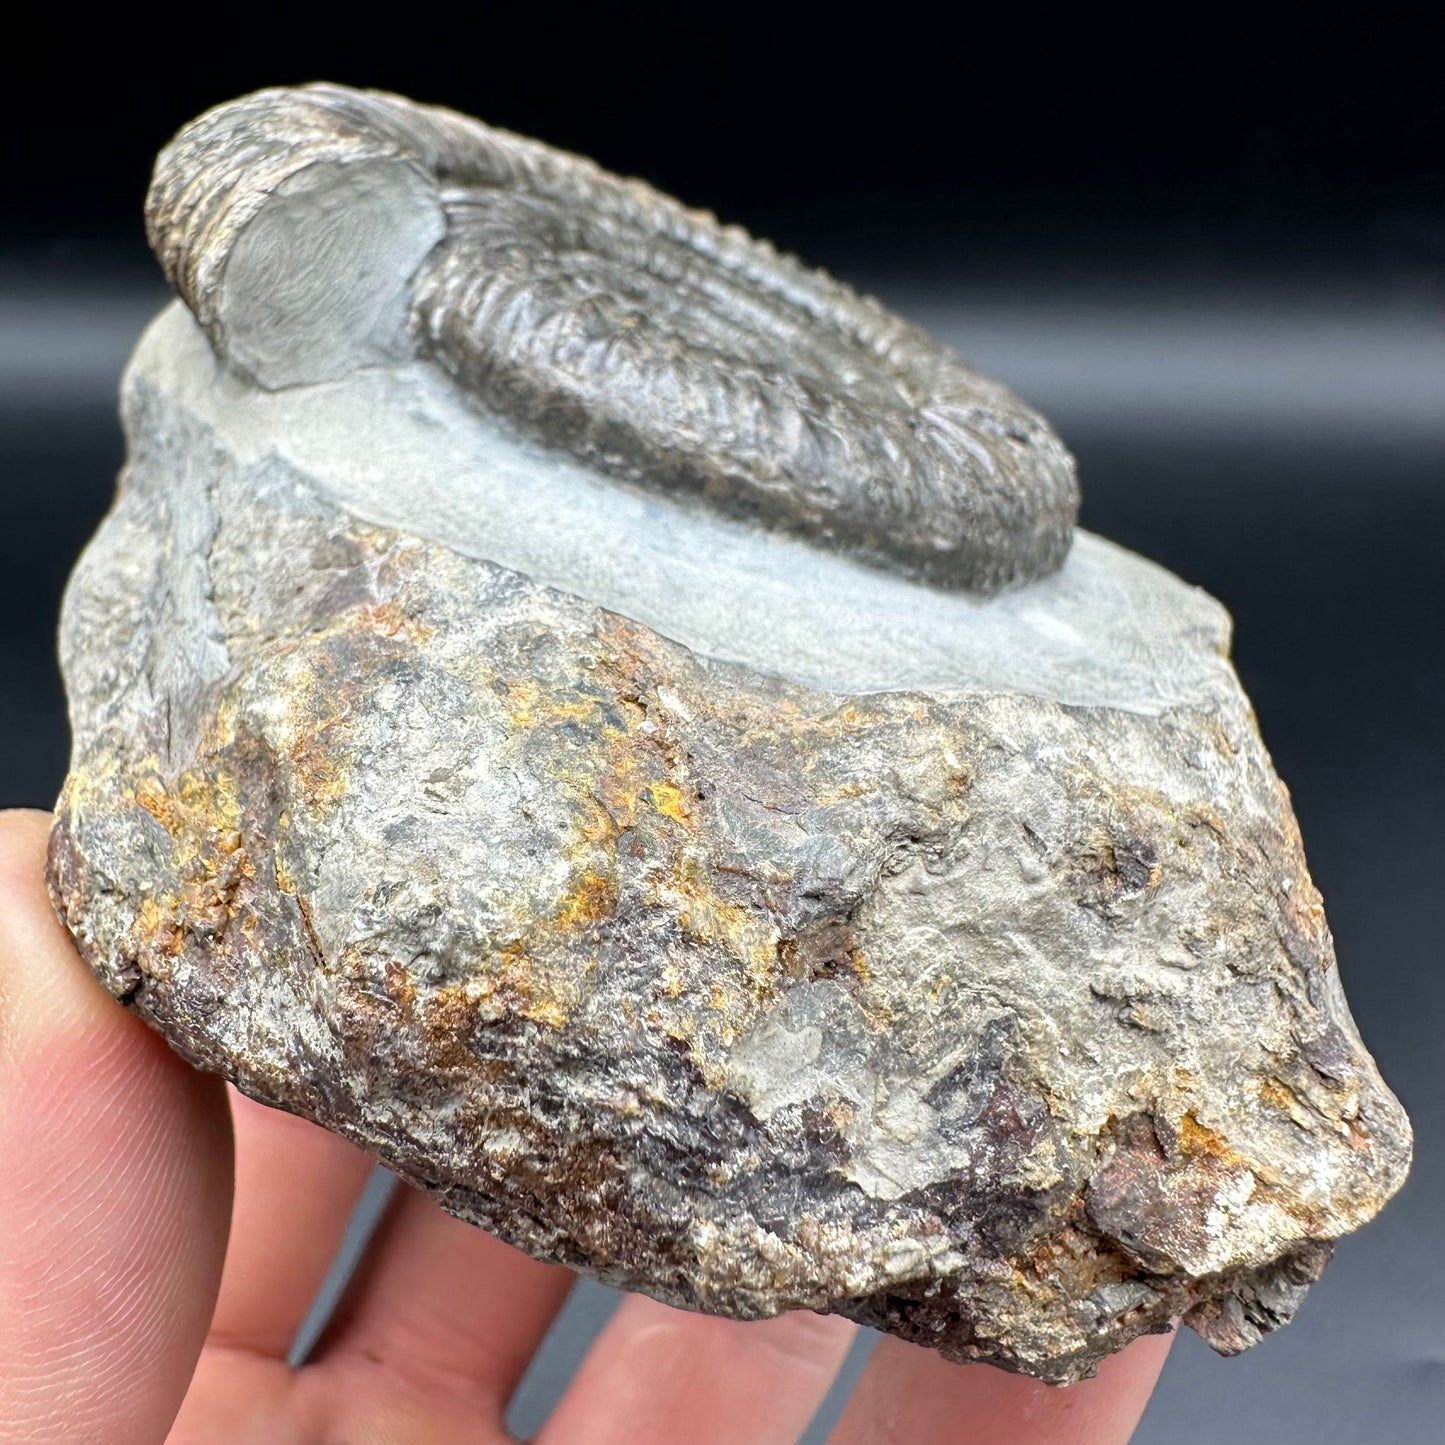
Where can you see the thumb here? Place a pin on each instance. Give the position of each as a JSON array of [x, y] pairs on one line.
[[115, 1186]]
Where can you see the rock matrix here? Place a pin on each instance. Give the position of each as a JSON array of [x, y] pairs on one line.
[[625, 731]]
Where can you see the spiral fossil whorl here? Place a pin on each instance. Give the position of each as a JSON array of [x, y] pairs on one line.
[[595, 314]]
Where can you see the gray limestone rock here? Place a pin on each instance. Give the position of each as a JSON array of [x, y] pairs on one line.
[[624, 730]]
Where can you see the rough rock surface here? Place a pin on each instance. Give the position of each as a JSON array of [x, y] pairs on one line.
[[945, 962]]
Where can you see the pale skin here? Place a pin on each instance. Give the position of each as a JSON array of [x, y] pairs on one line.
[[161, 1237]]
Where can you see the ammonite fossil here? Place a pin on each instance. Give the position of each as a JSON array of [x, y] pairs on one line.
[[598, 315], [625, 730]]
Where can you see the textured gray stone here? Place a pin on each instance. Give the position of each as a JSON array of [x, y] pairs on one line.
[[761, 872]]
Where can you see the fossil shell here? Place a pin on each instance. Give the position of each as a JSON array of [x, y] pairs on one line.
[[598, 315]]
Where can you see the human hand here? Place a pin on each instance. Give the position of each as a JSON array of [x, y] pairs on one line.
[[148, 1291]]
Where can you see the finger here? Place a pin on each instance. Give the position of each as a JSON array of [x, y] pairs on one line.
[[660, 1375], [911, 1396], [444, 1304], [241, 1398], [114, 1193], [295, 1186]]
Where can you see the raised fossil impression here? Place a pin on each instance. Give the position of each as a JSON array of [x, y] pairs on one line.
[[623, 729]]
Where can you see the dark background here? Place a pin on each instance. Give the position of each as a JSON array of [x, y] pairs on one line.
[[1208, 247]]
